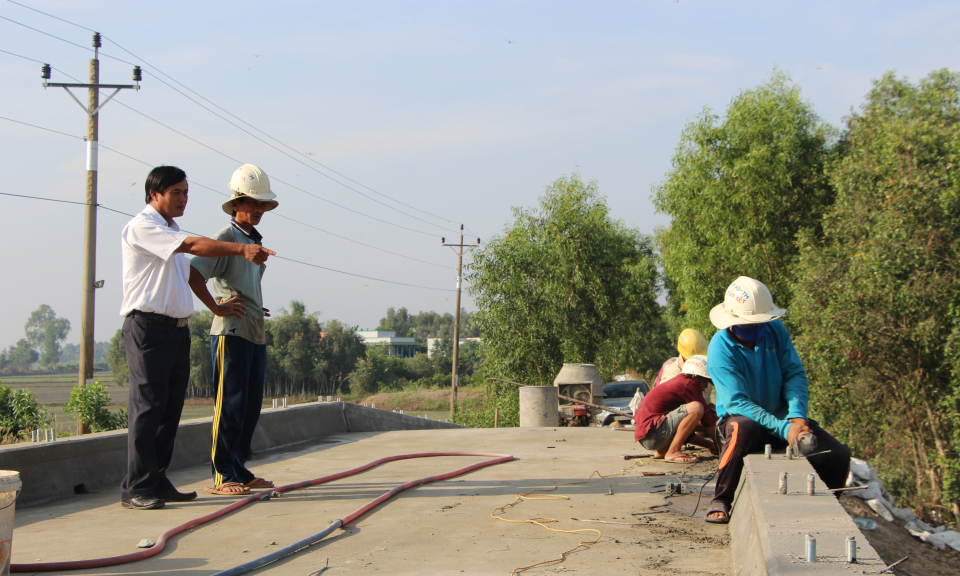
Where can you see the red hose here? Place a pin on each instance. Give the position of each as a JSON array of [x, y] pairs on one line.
[[161, 542]]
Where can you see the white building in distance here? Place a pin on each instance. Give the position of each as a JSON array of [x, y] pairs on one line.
[[399, 346]]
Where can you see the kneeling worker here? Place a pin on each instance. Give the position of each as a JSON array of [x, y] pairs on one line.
[[673, 412], [761, 392], [690, 343]]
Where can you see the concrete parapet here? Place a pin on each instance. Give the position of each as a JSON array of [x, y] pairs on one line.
[[767, 529], [364, 419], [95, 461]]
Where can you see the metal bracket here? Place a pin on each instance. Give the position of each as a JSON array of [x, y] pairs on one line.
[[67, 87]]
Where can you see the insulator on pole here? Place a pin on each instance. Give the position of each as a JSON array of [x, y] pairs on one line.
[[137, 75], [96, 39], [45, 71]]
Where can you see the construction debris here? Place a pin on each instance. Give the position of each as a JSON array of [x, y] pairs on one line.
[[862, 474]]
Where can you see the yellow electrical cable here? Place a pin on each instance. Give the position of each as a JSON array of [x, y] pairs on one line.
[[543, 521]]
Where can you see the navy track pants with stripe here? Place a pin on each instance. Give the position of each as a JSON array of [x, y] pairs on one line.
[[239, 369], [742, 436]]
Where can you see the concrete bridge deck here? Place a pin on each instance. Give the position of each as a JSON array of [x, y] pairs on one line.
[[440, 528]]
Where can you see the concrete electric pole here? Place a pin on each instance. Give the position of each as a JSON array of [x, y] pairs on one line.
[[456, 322], [88, 284]]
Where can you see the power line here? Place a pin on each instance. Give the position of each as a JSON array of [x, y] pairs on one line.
[[51, 16], [275, 256], [248, 124], [42, 128], [297, 160], [47, 199], [212, 149], [365, 277], [322, 199], [246, 132], [222, 194], [65, 40]]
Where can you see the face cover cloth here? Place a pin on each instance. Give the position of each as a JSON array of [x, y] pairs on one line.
[[750, 332]]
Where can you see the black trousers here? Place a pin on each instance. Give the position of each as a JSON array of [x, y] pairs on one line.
[[158, 356], [741, 436]]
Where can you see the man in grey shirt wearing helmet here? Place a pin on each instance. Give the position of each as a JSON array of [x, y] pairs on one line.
[[237, 336]]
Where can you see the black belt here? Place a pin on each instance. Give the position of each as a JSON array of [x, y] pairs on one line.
[[178, 322]]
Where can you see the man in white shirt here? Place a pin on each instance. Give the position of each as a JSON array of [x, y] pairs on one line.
[[157, 302]]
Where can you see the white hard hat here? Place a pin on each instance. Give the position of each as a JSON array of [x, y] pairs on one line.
[[248, 181], [696, 366], [747, 301]]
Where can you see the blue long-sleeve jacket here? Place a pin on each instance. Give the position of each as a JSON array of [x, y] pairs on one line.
[[767, 384]]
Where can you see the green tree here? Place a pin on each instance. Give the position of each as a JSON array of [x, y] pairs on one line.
[[337, 355], [738, 193], [201, 360], [46, 333], [293, 340], [20, 414], [117, 360], [878, 295], [90, 404], [425, 325], [22, 355], [566, 283], [366, 375]]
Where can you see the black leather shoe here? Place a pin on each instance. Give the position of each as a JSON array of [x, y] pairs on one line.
[[142, 503], [172, 495]]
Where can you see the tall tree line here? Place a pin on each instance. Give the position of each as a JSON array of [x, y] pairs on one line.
[[430, 324], [307, 357], [857, 232]]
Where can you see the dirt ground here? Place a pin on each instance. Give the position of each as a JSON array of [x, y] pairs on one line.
[[892, 542]]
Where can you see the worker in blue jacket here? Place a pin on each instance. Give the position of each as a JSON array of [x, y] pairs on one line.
[[761, 392]]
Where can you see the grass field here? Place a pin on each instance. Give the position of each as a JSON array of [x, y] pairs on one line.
[[54, 389], [53, 392]]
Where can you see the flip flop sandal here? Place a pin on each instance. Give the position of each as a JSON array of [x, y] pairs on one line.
[[219, 490], [718, 507], [685, 459], [258, 483]]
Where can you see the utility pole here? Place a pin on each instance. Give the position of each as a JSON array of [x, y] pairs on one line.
[[88, 284], [456, 320]]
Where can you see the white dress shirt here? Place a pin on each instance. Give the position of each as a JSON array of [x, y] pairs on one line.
[[155, 277]]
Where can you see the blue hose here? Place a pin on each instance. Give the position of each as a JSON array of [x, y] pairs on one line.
[[274, 556]]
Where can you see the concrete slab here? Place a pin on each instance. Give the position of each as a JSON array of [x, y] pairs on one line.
[[444, 527], [768, 529]]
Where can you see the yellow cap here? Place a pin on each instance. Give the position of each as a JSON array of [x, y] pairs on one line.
[[691, 343]]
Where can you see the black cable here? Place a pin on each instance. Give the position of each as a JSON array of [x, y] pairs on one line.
[[212, 149], [365, 277], [47, 199], [250, 125], [275, 256], [361, 243], [276, 179], [223, 194], [52, 16], [700, 495], [105, 55], [304, 164], [41, 128]]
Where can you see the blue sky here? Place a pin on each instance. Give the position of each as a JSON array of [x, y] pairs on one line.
[[458, 109]]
